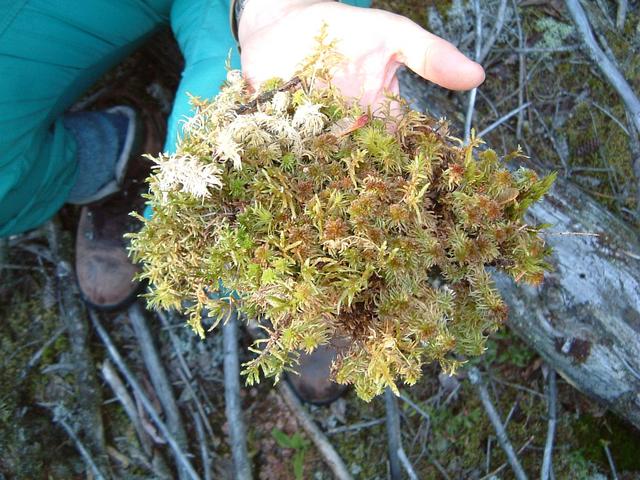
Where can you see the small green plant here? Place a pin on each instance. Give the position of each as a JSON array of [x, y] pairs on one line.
[[294, 442], [322, 219]]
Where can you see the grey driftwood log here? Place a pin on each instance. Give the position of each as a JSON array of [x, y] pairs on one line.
[[584, 319]]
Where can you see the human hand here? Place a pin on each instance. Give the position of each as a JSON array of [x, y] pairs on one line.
[[276, 36]]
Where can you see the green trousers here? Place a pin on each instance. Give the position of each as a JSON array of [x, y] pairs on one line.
[[52, 51]]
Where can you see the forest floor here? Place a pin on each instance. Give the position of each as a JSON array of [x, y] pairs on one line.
[[568, 118]]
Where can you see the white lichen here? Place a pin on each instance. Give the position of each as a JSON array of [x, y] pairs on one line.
[[309, 119], [186, 173]]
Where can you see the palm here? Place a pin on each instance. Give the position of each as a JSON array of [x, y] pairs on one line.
[[374, 44]]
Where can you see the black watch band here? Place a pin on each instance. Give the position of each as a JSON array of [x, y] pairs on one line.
[[237, 7]]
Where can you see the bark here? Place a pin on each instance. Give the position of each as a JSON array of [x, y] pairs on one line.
[[584, 320]]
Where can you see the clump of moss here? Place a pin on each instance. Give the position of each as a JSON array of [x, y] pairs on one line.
[[323, 219]]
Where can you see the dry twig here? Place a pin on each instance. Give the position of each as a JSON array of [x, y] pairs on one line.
[[179, 455], [112, 378], [612, 465], [158, 376], [472, 95], [607, 65], [476, 380], [552, 395], [331, 457], [233, 407], [407, 464], [73, 314], [60, 414], [185, 373]]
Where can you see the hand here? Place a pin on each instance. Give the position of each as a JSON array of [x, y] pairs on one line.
[[275, 36]]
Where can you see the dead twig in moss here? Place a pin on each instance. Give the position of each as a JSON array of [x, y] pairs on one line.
[[501, 18], [476, 380], [493, 474], [252, 106], [35, 358], [328, 452], [394, 438], [621, 14], [233, 407], [355, 426], [113, 352], [552, 396], [522, 71]]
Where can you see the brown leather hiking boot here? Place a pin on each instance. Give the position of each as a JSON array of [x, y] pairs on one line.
[[313, 382], [104, 271]]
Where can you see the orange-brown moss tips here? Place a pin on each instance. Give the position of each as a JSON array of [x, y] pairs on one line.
[[381, 232]]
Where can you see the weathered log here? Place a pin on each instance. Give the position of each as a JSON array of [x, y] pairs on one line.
[[584, 319]]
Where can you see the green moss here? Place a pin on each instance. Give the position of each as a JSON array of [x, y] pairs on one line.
[[378, 229], [621, 438]]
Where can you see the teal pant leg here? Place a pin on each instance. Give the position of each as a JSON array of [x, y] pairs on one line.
[[51, 51], [203, 32]]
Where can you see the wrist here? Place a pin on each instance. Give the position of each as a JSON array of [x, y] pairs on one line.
[[258, 14]]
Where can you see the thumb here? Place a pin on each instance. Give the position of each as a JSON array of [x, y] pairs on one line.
[[435, 59]]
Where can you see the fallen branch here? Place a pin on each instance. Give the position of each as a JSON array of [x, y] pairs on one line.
[[394, 438], [476, 380], [331, 457], [179, 455], [552, 395], [235, 420]]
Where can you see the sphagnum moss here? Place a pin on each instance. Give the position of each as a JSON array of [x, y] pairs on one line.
[[325, 220]]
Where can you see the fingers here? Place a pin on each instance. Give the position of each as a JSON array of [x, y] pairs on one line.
[[435, 59]]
